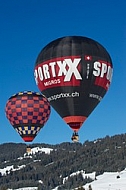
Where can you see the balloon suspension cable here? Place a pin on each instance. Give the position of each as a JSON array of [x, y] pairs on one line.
[[75, 137]]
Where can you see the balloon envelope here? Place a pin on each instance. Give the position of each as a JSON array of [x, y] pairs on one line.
[[27, 112], [74, 73]]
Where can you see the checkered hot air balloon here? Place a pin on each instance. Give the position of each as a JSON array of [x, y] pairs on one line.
[[27, 112]]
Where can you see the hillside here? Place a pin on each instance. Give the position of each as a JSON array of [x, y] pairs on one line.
[[109, 181], [65, 166]]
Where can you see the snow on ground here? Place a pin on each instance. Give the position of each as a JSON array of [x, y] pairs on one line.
[[26, 188], [38, 149], [6, 170], [106, 181], [109, 181], [84, 175], [35, 150]]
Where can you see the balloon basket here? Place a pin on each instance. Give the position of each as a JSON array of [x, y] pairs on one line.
[[28, 149], [75, 137]]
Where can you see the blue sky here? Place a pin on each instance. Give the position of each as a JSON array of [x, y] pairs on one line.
[[26, 26]]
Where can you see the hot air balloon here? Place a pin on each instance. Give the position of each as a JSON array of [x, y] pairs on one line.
[[74, 73], [27, 112]]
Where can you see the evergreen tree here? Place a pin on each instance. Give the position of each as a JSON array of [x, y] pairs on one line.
[[81, 188], [107, 154], [90, 188]]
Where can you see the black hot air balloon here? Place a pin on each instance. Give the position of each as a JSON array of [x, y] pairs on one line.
[[27, 112], [74, 73]]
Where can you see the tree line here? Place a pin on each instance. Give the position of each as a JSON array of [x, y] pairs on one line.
[[47, 171]]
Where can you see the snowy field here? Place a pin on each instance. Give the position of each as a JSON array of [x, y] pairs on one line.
[[26, 188], [109, 181], [106, 181]]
